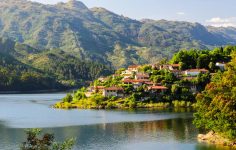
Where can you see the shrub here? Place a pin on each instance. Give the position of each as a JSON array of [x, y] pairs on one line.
[[68, 98], [46, 142]]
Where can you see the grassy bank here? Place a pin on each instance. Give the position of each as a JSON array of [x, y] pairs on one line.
[[119, 104]]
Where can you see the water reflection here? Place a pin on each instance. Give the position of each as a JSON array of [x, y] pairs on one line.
[[97, 130], [176, 133]]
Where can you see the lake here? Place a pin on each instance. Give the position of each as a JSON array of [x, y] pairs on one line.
[[97, 129]]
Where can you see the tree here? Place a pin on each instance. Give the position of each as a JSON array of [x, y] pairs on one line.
[[119, 71], [203, 61], [68, 98], [216, 105], [170, 77], [212, 66], [46, 142]]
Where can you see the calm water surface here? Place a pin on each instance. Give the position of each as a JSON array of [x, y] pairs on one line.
[[97, 129]]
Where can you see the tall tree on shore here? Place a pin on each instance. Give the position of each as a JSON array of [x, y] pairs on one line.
[[216, 105]]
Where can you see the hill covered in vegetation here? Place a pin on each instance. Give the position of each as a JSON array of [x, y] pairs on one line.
[[23, 68], [100, 35]]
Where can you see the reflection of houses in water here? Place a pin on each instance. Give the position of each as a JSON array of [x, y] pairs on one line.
[[104, 119], [176, 129]]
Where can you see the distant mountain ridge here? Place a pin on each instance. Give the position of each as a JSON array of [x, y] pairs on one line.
[[100, 35]]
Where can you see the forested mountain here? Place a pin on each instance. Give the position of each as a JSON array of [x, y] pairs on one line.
[[23, 68], [100, 35]]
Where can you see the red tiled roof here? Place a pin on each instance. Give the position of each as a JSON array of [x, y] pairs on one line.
[[158, 88], [143, 80], [175, 65], [99, 87], [142, 75], [149, 83], [197, 70], [135, 81]]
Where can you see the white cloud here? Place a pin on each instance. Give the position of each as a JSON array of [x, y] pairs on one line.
[[180, 13], [222, 22]]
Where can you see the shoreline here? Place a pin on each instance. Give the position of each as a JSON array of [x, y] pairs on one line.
[[214, 138], [62, 105]]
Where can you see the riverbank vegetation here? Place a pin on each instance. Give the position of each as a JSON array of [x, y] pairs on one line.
[[216, 105], [36, 141], [164, 84]]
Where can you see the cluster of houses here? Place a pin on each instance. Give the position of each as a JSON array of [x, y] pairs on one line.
[[132, 76]]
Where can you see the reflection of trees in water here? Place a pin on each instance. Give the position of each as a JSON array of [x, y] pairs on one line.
[[176, 129], [160, 109], [211, 147], [111, 134], [179, 129]]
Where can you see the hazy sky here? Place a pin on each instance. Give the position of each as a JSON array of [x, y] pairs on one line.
[[208, 12]]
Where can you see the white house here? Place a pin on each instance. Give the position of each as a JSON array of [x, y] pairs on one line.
[[195, 72], [222, 66], [127, 74], [133, 68], [139, 76], [137, 83]]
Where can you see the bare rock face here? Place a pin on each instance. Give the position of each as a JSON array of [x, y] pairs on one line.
[[214, 138]]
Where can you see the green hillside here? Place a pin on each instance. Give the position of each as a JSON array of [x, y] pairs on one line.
[[93, 34], [23, 68]]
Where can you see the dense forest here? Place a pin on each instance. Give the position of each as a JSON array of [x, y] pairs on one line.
[[17, 76], [23, 68]]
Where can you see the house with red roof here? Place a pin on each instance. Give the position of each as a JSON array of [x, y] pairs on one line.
[[157, 89], [140, 76], [133, 68], [170, 67], [137, 83], [113, 91], [96, 89]]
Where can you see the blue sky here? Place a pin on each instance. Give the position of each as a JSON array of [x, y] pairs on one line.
[[207, 12]]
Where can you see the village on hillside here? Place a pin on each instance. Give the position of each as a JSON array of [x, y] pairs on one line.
[[136, 76], [175, 83]]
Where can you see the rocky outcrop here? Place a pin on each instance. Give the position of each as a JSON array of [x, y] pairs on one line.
[[214, 138]]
